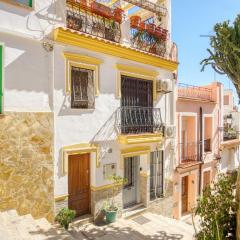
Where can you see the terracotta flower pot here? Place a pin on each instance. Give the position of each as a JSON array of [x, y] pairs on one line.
[[118, 13], [142, 26], [135, 21], [101, 10], [161, 33]]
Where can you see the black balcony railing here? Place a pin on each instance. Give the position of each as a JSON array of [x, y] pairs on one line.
[[99, 21], [189, 152], [136, 120], [229, 133], [207, 145]]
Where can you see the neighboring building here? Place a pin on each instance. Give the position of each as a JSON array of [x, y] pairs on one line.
[[199, 113], [87, 95], [230, 155]]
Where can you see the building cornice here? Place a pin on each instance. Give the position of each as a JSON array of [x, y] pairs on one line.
[[71, 37]]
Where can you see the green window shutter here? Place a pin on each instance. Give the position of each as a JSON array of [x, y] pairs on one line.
[[30, 3], [1, 78]]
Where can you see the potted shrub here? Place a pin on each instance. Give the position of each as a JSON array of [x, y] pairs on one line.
[[118, 13], [135, 21], [111, 208], [65, 217]]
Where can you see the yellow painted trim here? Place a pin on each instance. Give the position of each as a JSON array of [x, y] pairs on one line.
[[81, 61], [136, 72], [132, 152], [71, 37], [141, 138], [105, 187], [61, 198], [76, 149], [82, 58], [144, 174]]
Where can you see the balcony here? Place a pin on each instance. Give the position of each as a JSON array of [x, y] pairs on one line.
[[148, 37], [190, 92], [189, 153], [110, 23], [95, 19], [139, 124]]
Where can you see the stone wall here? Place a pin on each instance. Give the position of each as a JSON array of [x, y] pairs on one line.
[[164, 206], [26, 163], [99, 198]]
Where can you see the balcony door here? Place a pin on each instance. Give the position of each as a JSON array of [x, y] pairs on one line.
[[136, 105]]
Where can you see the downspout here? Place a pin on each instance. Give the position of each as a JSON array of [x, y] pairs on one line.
[[201, 149]]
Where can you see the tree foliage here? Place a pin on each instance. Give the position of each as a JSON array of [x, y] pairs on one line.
[[225, 51], [217, 209]]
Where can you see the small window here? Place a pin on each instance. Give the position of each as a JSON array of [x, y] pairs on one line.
[[226, 100], [82, 88], [24, 2]]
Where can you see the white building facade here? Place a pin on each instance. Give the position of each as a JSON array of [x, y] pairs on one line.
[[106, 96]]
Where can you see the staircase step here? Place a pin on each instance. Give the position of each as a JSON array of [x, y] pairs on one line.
[[83, 220], [133, 212]]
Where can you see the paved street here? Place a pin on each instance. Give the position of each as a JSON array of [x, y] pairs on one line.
[[144, 227]]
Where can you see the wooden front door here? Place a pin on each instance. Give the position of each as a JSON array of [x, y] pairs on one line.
[[184, 194], [79, 183], [206, 179]]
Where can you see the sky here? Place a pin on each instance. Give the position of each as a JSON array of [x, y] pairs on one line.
[[190, 19]]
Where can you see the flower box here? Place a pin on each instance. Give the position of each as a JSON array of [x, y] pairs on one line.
[[161, 33], [142, 26], [135, 21], [101, 10], [118, 13]]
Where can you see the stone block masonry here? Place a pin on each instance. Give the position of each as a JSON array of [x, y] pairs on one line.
[[26, 163]]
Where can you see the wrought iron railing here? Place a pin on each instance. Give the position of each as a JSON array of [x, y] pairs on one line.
[[195, 92], [93, 20], [207, 145], [136, 120], [189, 152], [229, 134]]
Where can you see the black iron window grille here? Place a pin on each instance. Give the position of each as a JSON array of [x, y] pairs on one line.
[[82, 88], [189, 152]]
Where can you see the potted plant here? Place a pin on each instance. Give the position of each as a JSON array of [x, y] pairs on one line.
[[135, 21], [65, 217], [118, 13], [110, 208]]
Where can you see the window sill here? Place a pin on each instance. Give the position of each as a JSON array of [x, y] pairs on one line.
[[23, 6]]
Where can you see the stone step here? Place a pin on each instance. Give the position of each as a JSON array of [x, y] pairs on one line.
[[133, 212], [82, 220]]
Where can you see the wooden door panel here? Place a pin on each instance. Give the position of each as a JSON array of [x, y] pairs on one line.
[[184, 194], [79, 183]]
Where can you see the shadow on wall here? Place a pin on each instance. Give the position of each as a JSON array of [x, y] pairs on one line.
[[31, 56]]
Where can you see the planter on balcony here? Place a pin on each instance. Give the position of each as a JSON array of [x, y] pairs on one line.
[[101, 10], [142, 26], [135, 21], [161, 33], [118, 13], [151, 28]]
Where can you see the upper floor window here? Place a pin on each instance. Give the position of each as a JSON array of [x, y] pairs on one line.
[[82, 88], [226, 100], [24, 2]]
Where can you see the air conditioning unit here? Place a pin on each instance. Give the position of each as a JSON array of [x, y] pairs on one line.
[[170, 131], [163, 86]]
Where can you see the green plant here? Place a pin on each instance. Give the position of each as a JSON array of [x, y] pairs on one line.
[[65, 217], [217, 209], [225, 53], [117, 184]]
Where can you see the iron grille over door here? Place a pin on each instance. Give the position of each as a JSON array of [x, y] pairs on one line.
[[156, 174], [136, 104]]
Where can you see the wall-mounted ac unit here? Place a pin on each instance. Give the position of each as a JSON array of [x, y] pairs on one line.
[[170, 131], [164, 86]]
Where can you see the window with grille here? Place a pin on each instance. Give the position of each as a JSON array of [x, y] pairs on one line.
[[24, 2], [82, 88], [156, 174]]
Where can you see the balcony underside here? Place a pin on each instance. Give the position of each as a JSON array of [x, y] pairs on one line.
[[230, 143], [196, 99], [140, 138], [188, 164], [83, 40]]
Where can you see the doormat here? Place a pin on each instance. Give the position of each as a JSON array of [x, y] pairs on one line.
[[141, 220]]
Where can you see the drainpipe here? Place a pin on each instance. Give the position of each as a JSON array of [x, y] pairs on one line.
[[201, 149]]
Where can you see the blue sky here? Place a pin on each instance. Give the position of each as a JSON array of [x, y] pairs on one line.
[[190, 19]]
